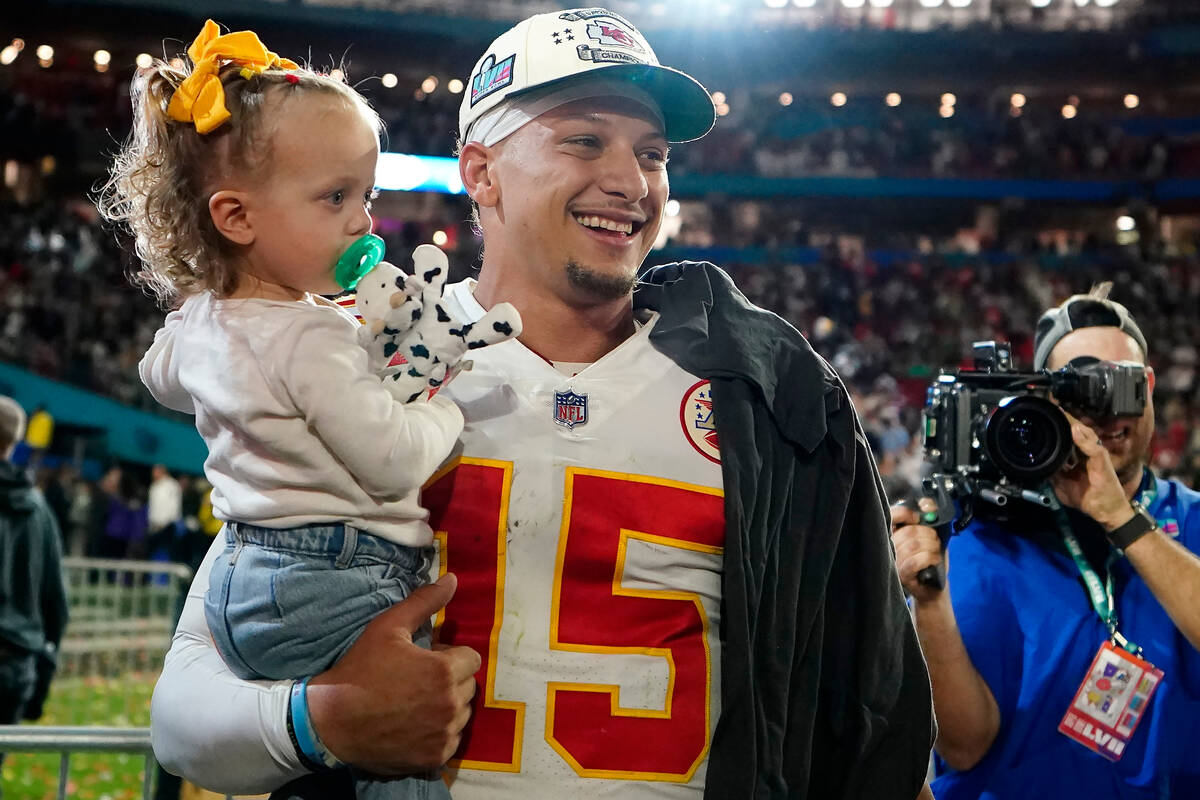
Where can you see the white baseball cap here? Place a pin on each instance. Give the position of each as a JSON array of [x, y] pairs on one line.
[[565, 47]]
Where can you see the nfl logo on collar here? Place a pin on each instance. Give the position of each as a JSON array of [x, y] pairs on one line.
[[570, 409]]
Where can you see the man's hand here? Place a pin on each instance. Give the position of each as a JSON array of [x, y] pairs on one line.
[[1091, 484], [917, 547], [390, 707]]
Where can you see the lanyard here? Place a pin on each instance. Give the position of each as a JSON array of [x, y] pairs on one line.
[[1101, 594]]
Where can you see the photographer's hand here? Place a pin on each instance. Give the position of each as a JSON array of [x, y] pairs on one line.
[[1091, 484], [917, 547]]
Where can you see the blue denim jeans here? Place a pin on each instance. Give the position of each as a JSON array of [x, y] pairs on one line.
[[287, 603]]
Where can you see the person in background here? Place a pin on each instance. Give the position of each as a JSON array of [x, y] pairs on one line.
[[39, 434], [164, 512], [33, 598], [1048, 612]]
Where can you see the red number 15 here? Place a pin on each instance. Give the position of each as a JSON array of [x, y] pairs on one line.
[[591, 612]]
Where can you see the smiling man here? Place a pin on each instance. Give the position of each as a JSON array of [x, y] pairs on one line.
[[669, 537]]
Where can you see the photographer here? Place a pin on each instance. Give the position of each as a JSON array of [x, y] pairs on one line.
[[1012, 641]]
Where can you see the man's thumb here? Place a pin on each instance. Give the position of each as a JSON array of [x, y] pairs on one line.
[[415, 610]]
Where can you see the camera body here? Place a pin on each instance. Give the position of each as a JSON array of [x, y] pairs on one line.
[[993, 433]]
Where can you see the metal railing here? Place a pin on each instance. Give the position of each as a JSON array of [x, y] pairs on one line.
[[122, 614], [68, 740], [44, 739]]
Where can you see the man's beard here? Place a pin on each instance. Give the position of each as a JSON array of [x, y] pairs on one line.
[[598, 284]]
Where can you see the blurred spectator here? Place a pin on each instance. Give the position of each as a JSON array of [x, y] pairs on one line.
[[33, 600], [125, 524], [39, 433], [164, 511]]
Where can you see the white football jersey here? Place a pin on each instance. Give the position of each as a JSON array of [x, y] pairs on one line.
[[583, 517]]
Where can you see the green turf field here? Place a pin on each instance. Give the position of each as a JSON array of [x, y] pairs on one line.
[[117, 702]]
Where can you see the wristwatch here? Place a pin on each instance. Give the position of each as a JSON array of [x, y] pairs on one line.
[[1141, 524]]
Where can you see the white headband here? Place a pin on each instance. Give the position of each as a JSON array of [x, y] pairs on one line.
[[506, 118]]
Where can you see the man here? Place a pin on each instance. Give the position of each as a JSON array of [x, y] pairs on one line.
[[33, 600], [1013, 636], [667, 530]]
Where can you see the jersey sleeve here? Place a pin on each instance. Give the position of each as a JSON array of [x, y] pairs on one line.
[[391, 448], [211, 727]]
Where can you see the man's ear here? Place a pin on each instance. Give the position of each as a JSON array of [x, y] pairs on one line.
[[475, 163], [1149, 380], [228, 211]]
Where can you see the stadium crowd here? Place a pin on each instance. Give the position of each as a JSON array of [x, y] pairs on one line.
[[75, 117], [68, 313]]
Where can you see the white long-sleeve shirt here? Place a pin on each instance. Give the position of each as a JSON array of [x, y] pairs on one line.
[[299, 431]]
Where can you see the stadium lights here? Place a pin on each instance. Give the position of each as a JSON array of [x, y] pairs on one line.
[[439, 238], [429, 85], [931, 3], [177, 63], [1132, 101], [838, 99], [853, 3], [804, 3], [1039, 3], [785, 99], [722, 109], [946, 111], [672, 208], [1081, 3], [1106, 3], [45, 52], [389, 80], [337, 74], [959, 3], [454, 86], [881, 3], [1125, 223], [718, 98], [775, 3], [948, 99], [892, 99], [144, 60], [8, 55], [1018, 100], [102, 58], [1069, 111]]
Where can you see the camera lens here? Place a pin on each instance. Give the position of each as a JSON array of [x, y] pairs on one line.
[[1027, 438]]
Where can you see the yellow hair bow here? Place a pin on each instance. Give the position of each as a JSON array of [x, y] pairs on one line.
[[200, 99]]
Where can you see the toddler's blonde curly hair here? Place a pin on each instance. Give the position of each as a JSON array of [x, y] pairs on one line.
[[162, 177]]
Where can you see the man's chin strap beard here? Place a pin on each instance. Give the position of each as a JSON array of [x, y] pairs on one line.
[[598, 284]]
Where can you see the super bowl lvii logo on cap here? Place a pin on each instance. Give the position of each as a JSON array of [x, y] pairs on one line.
[[492, 77]]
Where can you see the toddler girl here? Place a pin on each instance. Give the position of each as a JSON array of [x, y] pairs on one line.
[[243, 181]]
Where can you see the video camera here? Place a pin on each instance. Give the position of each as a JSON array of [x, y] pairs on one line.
[[992, 433]]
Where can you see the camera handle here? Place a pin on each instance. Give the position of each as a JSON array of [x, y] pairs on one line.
[[941, 521]]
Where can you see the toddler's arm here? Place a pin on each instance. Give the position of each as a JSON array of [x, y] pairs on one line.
[[390, 447], [158, 369]]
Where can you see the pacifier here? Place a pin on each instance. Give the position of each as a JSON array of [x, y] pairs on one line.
[[359, 259]]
